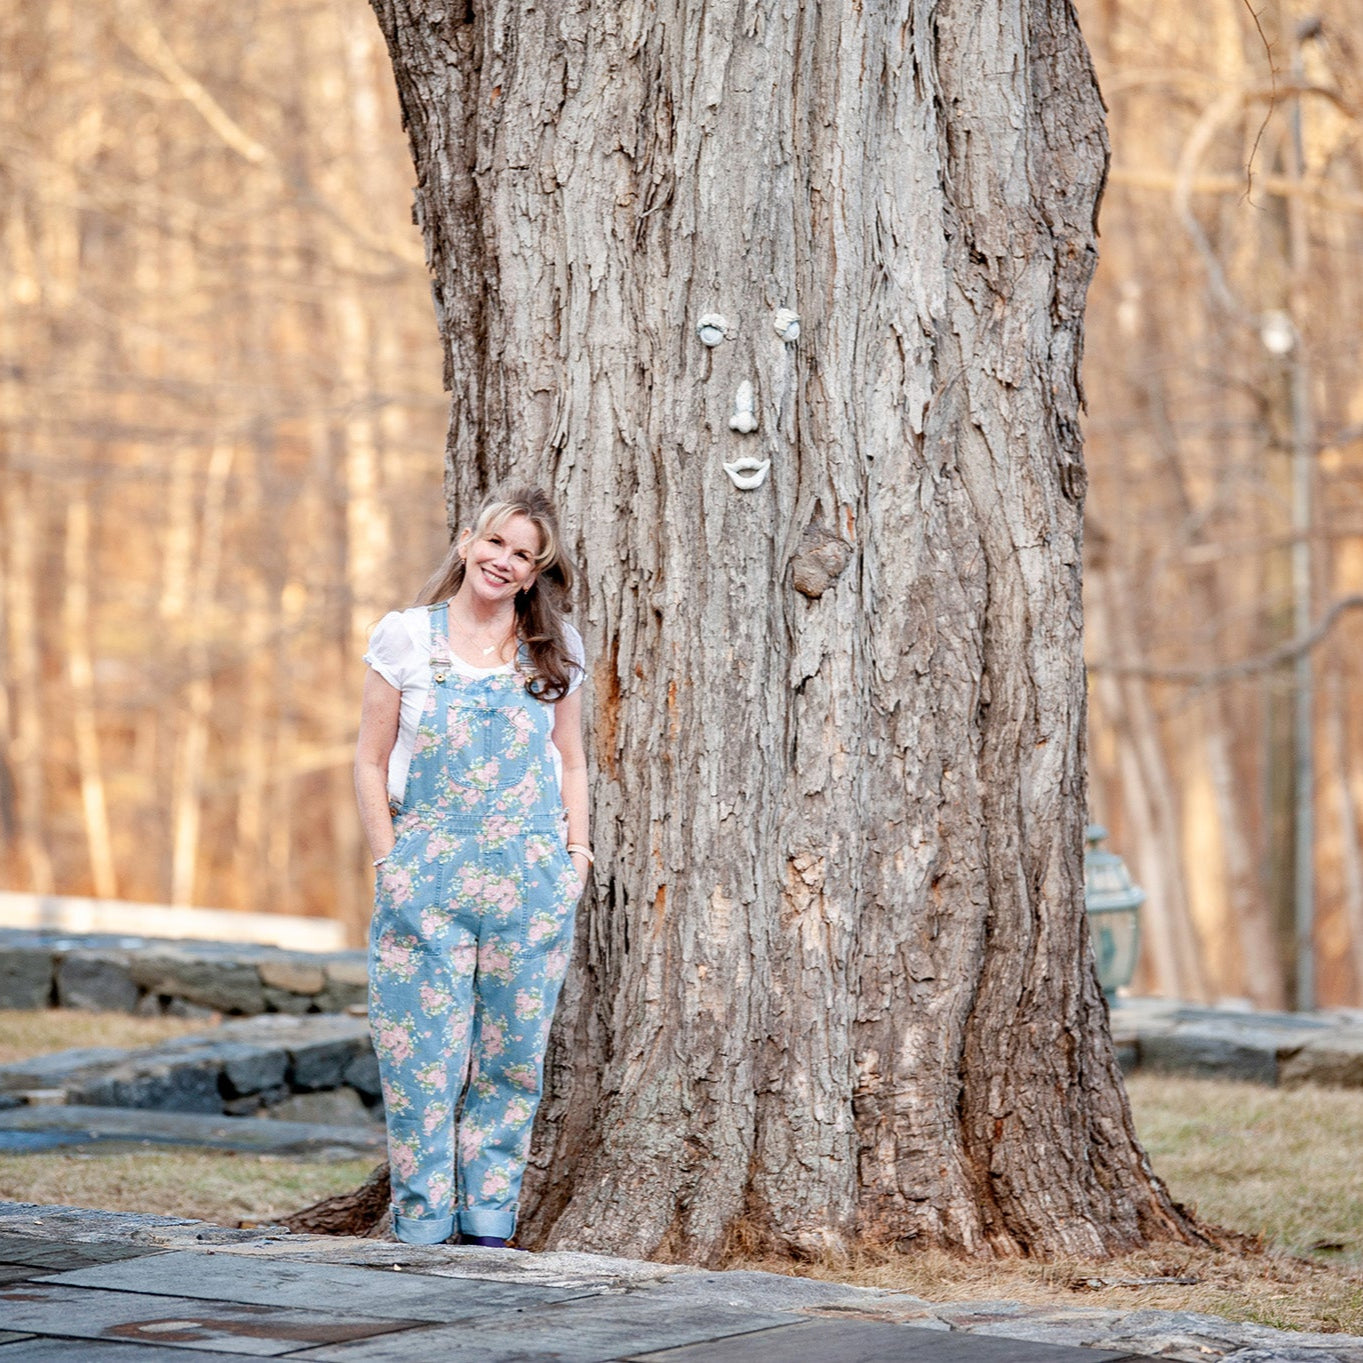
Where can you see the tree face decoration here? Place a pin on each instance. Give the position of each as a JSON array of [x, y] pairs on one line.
[[712, 329]]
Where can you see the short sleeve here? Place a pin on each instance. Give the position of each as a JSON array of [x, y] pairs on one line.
[[390, 649], [573, 641]]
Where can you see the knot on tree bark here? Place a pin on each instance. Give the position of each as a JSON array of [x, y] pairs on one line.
[[819, 561], [1074, 480]]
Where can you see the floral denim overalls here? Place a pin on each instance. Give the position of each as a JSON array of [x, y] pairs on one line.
[[468, 948]]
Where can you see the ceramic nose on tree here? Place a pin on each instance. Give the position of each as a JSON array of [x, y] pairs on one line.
[[746, 473]]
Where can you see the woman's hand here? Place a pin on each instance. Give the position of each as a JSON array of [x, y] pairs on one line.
[[568, 740], [581, 865]]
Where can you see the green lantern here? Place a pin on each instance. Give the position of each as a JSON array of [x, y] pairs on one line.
[[1113, 905]]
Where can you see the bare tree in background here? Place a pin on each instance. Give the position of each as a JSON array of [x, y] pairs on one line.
[[217, 390], [1222, 244]]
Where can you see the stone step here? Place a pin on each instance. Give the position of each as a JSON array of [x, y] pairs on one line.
[[318, 1067], [1228, 1043]]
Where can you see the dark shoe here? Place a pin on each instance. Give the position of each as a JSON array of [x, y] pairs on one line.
[[486, 1241]]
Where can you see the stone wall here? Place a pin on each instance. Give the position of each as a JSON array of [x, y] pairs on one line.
[[151, 975], [308, 1069]]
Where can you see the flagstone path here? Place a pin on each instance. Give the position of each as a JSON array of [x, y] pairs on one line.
[[108, 1287]]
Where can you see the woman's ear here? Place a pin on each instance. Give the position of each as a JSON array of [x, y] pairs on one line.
[[465, 536]]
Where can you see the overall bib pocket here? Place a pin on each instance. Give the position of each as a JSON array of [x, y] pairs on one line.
[[507, 737]]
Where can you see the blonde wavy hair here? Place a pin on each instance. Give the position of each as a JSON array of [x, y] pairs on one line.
[[540, 609]]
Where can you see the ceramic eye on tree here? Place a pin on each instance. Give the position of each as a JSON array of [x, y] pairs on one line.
[[833, 980]]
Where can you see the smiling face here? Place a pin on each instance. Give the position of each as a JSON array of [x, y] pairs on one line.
[[501, 560]]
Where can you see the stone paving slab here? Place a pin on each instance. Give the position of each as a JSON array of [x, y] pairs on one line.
[[776, 1292], [35, 1349], [1232, 1043], [230, 1327], [42, 1254], [561, 1268], [1264, 1356], [587, 1330], [28, 1129], [245, 1068], [365, 1292], [60, 1067], [1222, 1050], [1334, 1059], [871, 1342], [1181, 1335], [142, 1231], [1195, 1332]]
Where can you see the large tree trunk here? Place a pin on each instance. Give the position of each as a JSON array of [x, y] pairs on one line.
[[832, 976]]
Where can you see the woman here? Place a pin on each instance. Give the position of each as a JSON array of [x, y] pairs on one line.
[[472, 787]]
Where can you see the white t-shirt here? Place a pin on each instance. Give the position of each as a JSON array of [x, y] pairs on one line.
[[400, 652]]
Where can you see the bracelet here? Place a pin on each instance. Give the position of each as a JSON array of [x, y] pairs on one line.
[[584, 849], [378, 861]]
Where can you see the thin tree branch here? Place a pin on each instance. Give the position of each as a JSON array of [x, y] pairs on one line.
[[147, 41], [1272, 99], [1276, 186], [1246, 667]]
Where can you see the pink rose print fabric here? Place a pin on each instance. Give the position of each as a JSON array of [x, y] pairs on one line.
[[469, 945]]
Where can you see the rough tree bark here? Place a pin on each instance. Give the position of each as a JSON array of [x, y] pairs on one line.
[[832, 976]]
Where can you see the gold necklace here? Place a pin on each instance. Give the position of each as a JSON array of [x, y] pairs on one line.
[[495, 647]]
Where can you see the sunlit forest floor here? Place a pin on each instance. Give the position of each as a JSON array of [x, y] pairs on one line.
[[1278, 1164]]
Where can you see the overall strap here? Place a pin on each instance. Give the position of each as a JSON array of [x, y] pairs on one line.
[[439, 619]]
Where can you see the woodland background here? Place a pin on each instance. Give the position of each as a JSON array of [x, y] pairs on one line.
[[221, 425]]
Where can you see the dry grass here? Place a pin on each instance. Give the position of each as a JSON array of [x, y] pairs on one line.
[[25, 1034], [217, 1186], [1272, 1289], [1279, 1163]]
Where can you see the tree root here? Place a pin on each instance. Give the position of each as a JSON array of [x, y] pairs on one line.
[[361, 1212]]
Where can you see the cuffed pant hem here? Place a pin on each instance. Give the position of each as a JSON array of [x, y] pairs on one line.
[[482, 1221], [426, 1231]]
